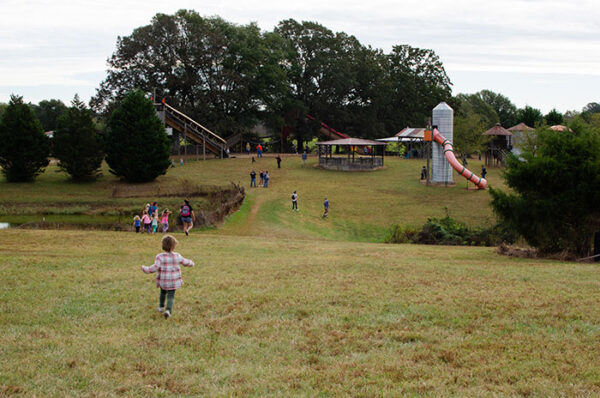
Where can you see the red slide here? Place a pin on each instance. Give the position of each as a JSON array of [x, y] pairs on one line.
[[449, 154]]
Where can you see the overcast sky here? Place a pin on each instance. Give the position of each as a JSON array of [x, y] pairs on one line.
[[541, 53]]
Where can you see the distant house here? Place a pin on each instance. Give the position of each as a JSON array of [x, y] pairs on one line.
[[499, 145], [519, 133]]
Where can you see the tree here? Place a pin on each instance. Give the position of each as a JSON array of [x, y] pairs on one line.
[[554, 117], [468, 134], [77, 145], [25, 148], [137, 146], [419, 82], [48, 112], [530, 116], [218, 73], [505, 109], [555, 192], [592, 107]]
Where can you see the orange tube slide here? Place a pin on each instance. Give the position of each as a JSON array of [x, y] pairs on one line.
[[449, 154]]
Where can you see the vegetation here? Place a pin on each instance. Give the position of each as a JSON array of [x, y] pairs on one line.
[[137, 146], [273, 316], [25, 149], [48, 112], [229, 76], [554, 195], [76, 143]]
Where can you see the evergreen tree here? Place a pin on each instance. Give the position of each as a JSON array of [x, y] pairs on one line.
[[25, 149], [555, 191], [77, 144], [137, 147]]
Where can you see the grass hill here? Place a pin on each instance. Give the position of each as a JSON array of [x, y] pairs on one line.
[[288, 304]]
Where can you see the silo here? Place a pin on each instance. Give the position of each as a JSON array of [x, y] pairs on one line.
[[443, 118]]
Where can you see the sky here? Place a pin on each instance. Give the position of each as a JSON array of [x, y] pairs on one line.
[[541, 53]]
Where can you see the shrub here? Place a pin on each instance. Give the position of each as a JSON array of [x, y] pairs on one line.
[[25, 148], [137, 147], [77, 145]]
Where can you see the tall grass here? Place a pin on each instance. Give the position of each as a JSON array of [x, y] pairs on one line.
[[291, 317]]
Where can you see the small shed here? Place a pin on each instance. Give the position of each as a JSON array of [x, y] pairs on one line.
[[499, 146], [352, 154], [520, 133]]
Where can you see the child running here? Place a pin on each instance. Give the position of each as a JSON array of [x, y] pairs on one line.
[[164, 220], [137, 223], [146, 221], [154, 222], [168, 277]]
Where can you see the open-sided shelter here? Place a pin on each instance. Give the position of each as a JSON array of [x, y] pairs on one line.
[[351, 154]]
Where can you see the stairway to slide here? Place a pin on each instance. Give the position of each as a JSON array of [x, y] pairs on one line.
[[189, 128]]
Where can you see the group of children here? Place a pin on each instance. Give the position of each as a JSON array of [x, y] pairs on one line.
[[149, 221]]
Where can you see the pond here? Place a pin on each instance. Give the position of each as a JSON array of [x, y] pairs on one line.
[[57, 221]]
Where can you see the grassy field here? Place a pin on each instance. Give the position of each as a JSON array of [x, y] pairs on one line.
[[286, 303], [363, 204], [292, 317]]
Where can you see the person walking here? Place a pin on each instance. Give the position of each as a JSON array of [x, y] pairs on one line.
[[326, 206], [187, 216], [168, 277], [164, 220], [259, 150], [304, 156], [278, 161], [253, 179], [295, 201], [267, 177]]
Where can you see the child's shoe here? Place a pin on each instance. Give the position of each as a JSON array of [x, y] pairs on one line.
[[167, 314], [161, 309]]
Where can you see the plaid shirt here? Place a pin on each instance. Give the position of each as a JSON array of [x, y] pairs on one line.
[[166, 265]]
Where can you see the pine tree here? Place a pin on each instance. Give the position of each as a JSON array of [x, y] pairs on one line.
[[24, 150], [137, 146], [77, 144]]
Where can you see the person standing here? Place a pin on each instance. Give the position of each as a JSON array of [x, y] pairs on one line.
[[187, 216], [164, 220], [247, 148], [423, 173], [267, 177], [253, 179], [278, 161], [295, 201], [262, 178], [483, 171], [326, 206], [259, 150], [304, 156]]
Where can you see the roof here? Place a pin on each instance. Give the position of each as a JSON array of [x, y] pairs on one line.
[[560, 127], [521, 127], [351, 142], [417, 133], [497, 130]]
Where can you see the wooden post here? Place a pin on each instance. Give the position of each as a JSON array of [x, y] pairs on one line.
[[203, 147]]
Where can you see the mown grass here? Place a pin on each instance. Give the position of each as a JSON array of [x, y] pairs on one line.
[[292, 317]]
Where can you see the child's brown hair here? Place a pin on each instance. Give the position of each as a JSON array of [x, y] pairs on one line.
[[169, 243]]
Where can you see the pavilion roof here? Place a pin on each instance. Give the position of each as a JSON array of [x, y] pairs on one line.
[[351, 142], [497, 130], [412, 132], [560, 127], [521, 127]]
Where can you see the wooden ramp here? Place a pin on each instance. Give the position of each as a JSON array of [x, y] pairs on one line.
[[191, 129]]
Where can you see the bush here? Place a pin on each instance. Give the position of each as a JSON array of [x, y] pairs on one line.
[[137, 147], [24, 147], [448, 231], [77, 145], [555, 192]]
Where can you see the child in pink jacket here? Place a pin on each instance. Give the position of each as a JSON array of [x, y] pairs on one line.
[[168, 273]]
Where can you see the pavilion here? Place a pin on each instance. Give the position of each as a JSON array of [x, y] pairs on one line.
[[354, 154], [499, 145]]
